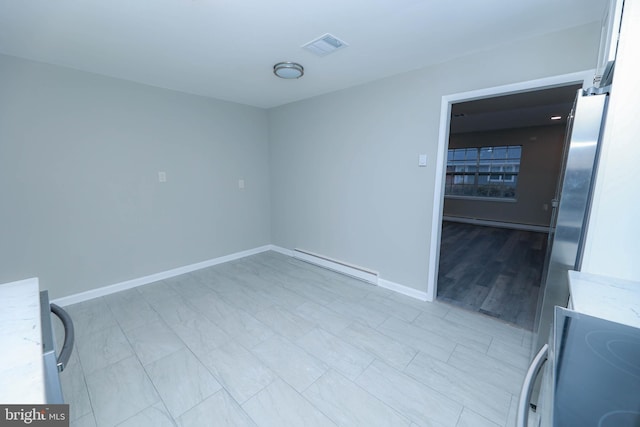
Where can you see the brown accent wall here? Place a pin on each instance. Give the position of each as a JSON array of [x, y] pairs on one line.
[[539, 169]]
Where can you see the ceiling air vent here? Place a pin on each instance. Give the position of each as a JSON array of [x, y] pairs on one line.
[[325, 45]]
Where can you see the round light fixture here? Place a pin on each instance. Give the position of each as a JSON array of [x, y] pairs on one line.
[[288, 70]]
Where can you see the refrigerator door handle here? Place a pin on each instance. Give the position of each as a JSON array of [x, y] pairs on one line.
[[527, 387]]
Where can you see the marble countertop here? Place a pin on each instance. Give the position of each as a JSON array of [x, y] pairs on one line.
[[21, 361], [606, 297]]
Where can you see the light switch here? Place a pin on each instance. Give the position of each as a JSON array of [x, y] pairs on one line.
[[241, 184], [422, 160]]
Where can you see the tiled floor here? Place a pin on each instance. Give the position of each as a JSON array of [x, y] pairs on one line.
[[272, 341]]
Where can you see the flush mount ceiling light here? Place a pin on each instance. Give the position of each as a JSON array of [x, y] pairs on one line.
[[288, 70]]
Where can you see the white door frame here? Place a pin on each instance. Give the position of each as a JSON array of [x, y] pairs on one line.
[[443, 142]]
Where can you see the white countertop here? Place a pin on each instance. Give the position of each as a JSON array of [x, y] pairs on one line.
[[21, 361], [606, 297]]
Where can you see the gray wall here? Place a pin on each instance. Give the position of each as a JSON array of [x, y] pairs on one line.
[[79, 161], [345, 180], [337, 174], [539, 169]]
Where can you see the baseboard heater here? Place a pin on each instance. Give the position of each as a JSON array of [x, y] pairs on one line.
[[352, 270], [498, 224]]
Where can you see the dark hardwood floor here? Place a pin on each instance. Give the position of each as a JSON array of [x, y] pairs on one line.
[[495, 271]]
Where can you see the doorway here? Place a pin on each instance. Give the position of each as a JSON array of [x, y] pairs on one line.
[[490, 226]]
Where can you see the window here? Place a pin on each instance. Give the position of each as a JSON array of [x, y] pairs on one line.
[[483, 171]]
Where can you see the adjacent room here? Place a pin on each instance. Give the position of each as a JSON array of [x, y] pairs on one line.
[[504, 164], [266, 213]]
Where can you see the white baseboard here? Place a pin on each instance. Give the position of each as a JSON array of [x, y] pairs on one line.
[[283, 251], [352, 270], [499, 224], [140, 281], [362, 273], [402, 289], [331, 264]]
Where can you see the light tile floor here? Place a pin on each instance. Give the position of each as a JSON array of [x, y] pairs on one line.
[[272, 341]]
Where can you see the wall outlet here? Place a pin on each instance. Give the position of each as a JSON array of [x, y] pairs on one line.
[[241, 184], [545, 207], [162, 177]]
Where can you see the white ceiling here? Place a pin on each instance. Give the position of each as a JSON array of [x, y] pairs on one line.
[[226, 48]]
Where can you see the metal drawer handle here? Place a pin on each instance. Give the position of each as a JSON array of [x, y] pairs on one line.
[[69, 336], [527, 386]]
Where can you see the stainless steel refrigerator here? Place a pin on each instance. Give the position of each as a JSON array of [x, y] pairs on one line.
[[572, 202], [570, 207]]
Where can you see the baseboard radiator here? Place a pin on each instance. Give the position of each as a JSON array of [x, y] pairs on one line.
[[498, 224], [352, 270]]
